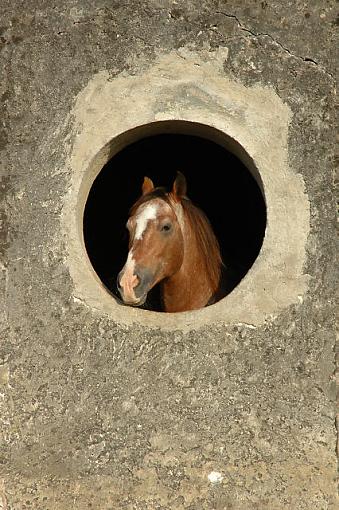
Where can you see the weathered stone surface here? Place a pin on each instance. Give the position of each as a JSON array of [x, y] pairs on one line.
[[97, 415]]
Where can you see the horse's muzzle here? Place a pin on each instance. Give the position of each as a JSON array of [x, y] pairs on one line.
[[136, 296]]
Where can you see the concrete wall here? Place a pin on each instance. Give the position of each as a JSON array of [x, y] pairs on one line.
[[101, 412]]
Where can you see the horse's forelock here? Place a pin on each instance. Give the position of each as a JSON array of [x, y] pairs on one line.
[[156, 193]]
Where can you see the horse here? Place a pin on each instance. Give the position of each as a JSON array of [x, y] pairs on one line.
[[171, 243]]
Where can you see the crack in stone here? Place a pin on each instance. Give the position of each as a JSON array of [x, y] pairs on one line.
[[262, 34]]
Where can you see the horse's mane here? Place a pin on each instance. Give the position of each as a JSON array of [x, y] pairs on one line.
[[201, 227], [206, 240]]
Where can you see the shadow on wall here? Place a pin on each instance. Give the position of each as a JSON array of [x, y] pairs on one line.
[[218, 183]]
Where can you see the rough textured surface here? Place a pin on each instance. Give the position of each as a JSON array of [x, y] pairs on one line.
[[98, 416]]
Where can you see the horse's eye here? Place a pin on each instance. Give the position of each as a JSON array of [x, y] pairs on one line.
[[166, 227]]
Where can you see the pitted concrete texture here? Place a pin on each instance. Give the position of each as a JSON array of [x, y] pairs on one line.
[[99, 414]]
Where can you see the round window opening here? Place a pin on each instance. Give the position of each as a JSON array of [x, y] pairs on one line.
[[219, 183]]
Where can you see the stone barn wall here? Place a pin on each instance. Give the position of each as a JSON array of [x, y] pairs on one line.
[[106, 407]]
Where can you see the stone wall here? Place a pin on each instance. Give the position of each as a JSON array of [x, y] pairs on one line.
[[98, 413]]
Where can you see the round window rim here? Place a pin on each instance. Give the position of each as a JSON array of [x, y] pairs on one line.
[[94, 167], [177, 127], [253, 125], [257, 296]]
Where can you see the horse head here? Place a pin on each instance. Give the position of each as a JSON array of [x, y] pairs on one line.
[[156, 242]]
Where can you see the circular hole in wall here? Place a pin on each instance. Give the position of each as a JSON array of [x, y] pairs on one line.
[[218, 182]]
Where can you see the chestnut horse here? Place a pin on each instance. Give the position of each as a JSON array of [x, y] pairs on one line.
[[171, 243]]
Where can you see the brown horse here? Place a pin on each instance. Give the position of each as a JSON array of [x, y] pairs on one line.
[[171, 243]]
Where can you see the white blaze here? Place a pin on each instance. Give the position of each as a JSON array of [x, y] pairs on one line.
[[128, 280], [149, 212], [130, 263]]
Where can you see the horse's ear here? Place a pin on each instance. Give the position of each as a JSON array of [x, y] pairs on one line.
[[179, 186], [147, 186]]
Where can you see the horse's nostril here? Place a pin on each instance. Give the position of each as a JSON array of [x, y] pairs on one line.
[[133, 282]]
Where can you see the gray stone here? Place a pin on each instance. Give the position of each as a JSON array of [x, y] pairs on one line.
[[98, 413]]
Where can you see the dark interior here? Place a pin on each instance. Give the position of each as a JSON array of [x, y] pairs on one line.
[[218, 182]]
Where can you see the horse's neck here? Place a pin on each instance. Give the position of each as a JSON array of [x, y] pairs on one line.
[[189, 288]]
